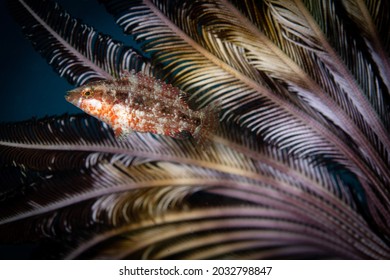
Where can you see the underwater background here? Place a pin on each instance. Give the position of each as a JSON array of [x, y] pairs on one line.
[[30, 88]]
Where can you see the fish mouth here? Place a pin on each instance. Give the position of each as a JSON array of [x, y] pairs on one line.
[[67, 96], [72, 97]]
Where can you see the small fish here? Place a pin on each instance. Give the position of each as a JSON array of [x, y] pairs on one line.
[[136, 102]]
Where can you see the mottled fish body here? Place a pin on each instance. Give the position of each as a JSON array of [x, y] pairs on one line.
[[136, 102]]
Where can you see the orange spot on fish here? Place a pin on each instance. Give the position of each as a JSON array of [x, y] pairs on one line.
[[118, 132]]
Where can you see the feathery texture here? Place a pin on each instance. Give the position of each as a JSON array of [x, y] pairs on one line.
[[298, 167], [75, 50]]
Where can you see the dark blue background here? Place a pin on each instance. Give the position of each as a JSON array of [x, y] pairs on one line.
[[29, 86]]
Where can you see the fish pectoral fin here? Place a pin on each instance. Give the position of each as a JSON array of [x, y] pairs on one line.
[[121, 134], [183, 135]]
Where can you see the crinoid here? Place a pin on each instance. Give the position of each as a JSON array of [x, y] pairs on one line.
[[298, 168]]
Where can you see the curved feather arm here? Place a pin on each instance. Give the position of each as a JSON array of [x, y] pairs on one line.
[[208, 223], [233, 151], [344, 57], [75, 50], [112, 193], [278, 179], [279, 121], [360, 14], [225, 20]]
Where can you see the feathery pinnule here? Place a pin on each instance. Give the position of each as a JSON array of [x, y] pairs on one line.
[[291, 96]]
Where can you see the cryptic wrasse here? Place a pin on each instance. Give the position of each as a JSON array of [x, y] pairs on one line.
[[136, 102]]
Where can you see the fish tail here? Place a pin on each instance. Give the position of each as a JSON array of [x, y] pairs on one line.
[[209, 122]]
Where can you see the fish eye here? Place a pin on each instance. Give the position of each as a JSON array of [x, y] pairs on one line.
[[87, 92]]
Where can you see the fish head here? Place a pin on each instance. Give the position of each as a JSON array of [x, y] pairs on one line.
[[92, 98]]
